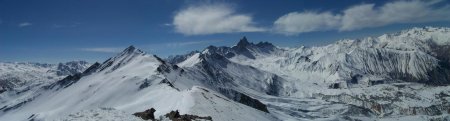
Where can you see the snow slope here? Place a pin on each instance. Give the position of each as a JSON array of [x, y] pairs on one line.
[[133, 81], [104, 114]]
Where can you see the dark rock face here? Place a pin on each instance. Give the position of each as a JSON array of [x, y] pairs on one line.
[[175, 116], [69, 80], [129, 49], [146, 115], [275, 86], [355, 79], [441, 75], [334, 86], [2, 90], [159, 59], [163, 68], [8, 84], [167, 67], [242, 48], [243, 99], [92, 68], [145, 84], [31, 118], [243, 42], [18, 105], [376, 82], [165, 81], [106, 64], [172, 115]]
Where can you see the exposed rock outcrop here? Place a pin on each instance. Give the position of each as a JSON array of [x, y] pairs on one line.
[[172, 115], [147, 114], [243, 99], [175, 116]]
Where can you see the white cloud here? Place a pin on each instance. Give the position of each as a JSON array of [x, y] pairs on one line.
[[364, 16], [295, 22], [212, 19], [103, 49], [24, 24], [367, 15]]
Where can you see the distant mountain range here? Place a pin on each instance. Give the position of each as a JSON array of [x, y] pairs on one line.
[[18, 75], [398, 76]]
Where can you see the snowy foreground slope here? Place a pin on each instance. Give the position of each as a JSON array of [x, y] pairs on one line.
[[399, 76]]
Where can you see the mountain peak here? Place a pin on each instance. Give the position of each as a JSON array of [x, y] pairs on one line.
[[131, 49], [243, 42]]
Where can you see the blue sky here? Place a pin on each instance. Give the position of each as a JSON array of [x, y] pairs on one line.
[[94, 30]]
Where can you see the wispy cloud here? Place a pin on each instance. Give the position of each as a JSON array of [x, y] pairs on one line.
[[212, 19], [159, 46], [71, 25], [103, 49], [364, 16], [24, 24], [295, 22], [180, 44]]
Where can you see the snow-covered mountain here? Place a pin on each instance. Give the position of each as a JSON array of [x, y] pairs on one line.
[[367, 73], [416, 55], [180, 58], [132, 81], [399, 76]]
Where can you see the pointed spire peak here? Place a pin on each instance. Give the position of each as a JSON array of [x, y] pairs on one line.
[[244, 38], [243, 42]]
